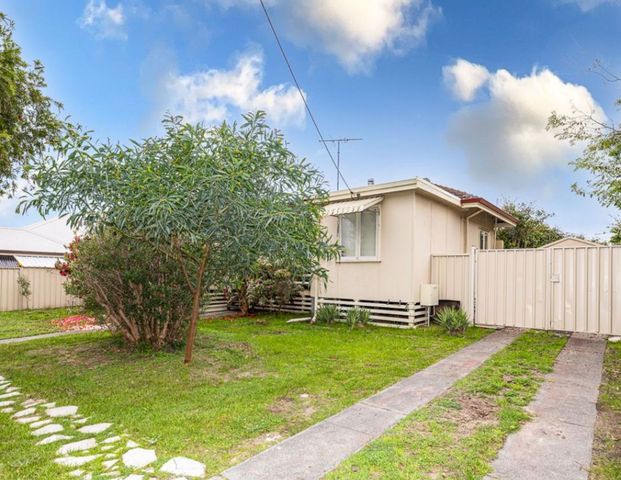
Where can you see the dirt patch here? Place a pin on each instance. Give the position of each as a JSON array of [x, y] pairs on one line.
[[296, 409], [473, 413], [89, 355]]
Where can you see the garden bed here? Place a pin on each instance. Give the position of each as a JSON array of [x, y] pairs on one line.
[[250, 384]]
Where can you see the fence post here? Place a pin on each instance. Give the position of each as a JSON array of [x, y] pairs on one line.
[[472, 281], [411, 314]]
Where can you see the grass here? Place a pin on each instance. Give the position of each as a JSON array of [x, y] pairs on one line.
[[23, 323], [250, 384], [606, 464], [459, 434]]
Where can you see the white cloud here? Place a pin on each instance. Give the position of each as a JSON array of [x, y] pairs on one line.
[[465, 78], [353, 31], [211, 96], [504, 135], [586, 5], [104, 21]]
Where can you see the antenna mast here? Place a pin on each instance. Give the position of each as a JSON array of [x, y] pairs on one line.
[[338, 142]]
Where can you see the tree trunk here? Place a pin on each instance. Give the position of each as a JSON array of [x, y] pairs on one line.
[[196, 305], [244, 306]]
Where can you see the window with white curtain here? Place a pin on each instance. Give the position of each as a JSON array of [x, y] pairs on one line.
[[358, 234]]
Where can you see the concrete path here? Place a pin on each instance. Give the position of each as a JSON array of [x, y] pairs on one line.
[[5, 341], [557, 443], [315, 451]]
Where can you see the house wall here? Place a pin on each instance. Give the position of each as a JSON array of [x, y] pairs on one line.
[[413, 227], [482, 222], [571, 243]]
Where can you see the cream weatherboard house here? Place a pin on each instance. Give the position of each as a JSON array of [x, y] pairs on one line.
[[389, 233]]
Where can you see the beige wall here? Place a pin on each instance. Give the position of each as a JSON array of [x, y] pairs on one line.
[[413, 227]]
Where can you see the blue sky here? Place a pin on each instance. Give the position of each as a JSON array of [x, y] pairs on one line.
[[451, 90]]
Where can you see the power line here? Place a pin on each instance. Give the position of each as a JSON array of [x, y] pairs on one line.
[[308, 110], [338, 142]]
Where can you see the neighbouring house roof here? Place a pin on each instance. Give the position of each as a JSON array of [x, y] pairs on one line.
[[573, 240], [33, 261], [450, 195], [352, 206], [45, 237]]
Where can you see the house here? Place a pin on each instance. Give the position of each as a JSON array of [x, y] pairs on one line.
[[570, 242], [31, 252], [389, 233]]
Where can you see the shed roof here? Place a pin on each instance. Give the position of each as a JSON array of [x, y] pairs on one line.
[[8, 261], [33, 261]]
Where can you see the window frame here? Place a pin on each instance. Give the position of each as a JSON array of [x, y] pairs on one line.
[[358, 238], [483, 234]]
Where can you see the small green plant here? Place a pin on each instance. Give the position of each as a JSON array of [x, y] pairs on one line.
[[357, 316], [24, 287], [327, 314], [454, 320]]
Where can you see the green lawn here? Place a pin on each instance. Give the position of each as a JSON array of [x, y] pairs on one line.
[[607, 445], [249, 385], [459, 434], [22, 323]]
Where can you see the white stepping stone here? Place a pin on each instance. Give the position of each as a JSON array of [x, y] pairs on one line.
[[54, 438], [614, 339], [51, 428], [40, 423], [105, 448], [7, 410], [114, 439], [184, 466], [62, 411], [77, 446], [11, 389], [49, 405], [80, 421], [131, 444], [139, 457], [88, 476], [7, 403], [2, 378], [24, 413], [25, 420], [108, 464], [10, 395], [4, 386], [32, 402], [134, 476], [75, 461], [76, 473], [96, 428], [110, 455]]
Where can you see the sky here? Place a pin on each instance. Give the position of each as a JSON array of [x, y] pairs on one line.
[[458, 92]]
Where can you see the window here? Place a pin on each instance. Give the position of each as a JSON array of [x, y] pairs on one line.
[[483, 240], [358, 234]]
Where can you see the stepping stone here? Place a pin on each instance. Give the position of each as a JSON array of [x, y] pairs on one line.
[[61, 411], [96, 428], [109, 463], [4, 386], [40, 423], [139, 457], [184, 466], [614, 339], [77, 446], [80, 421], [49, 405], [10, 395], [32, 403], [6, 403], [7, 410], [110, 455], [76, 473], [51, 428], [75, 461], [24, 413], [105, 448], [11, 389], [116, 438], [31, 419], [54, 438], [134, 476], [131, 444]]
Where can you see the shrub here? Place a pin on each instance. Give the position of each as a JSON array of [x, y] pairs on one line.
[[357, 317], [454, 320], [23, 285], [327, 314], [142, 293]]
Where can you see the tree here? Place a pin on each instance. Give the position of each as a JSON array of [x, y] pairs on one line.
[[615, 232], [532, 230], [213, 199], [28, 123], [601, 156]]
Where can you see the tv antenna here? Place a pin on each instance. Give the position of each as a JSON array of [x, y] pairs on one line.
[[338, 142]]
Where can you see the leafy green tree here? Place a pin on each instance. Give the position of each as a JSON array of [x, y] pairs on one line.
[[28, 120], [213, 199], [615, 233], [601, 156], [532, 230]]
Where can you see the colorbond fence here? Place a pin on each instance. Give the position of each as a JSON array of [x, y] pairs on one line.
[[46, 286], [576, 289]]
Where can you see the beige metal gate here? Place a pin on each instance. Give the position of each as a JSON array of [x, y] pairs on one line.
[[575, 289]]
